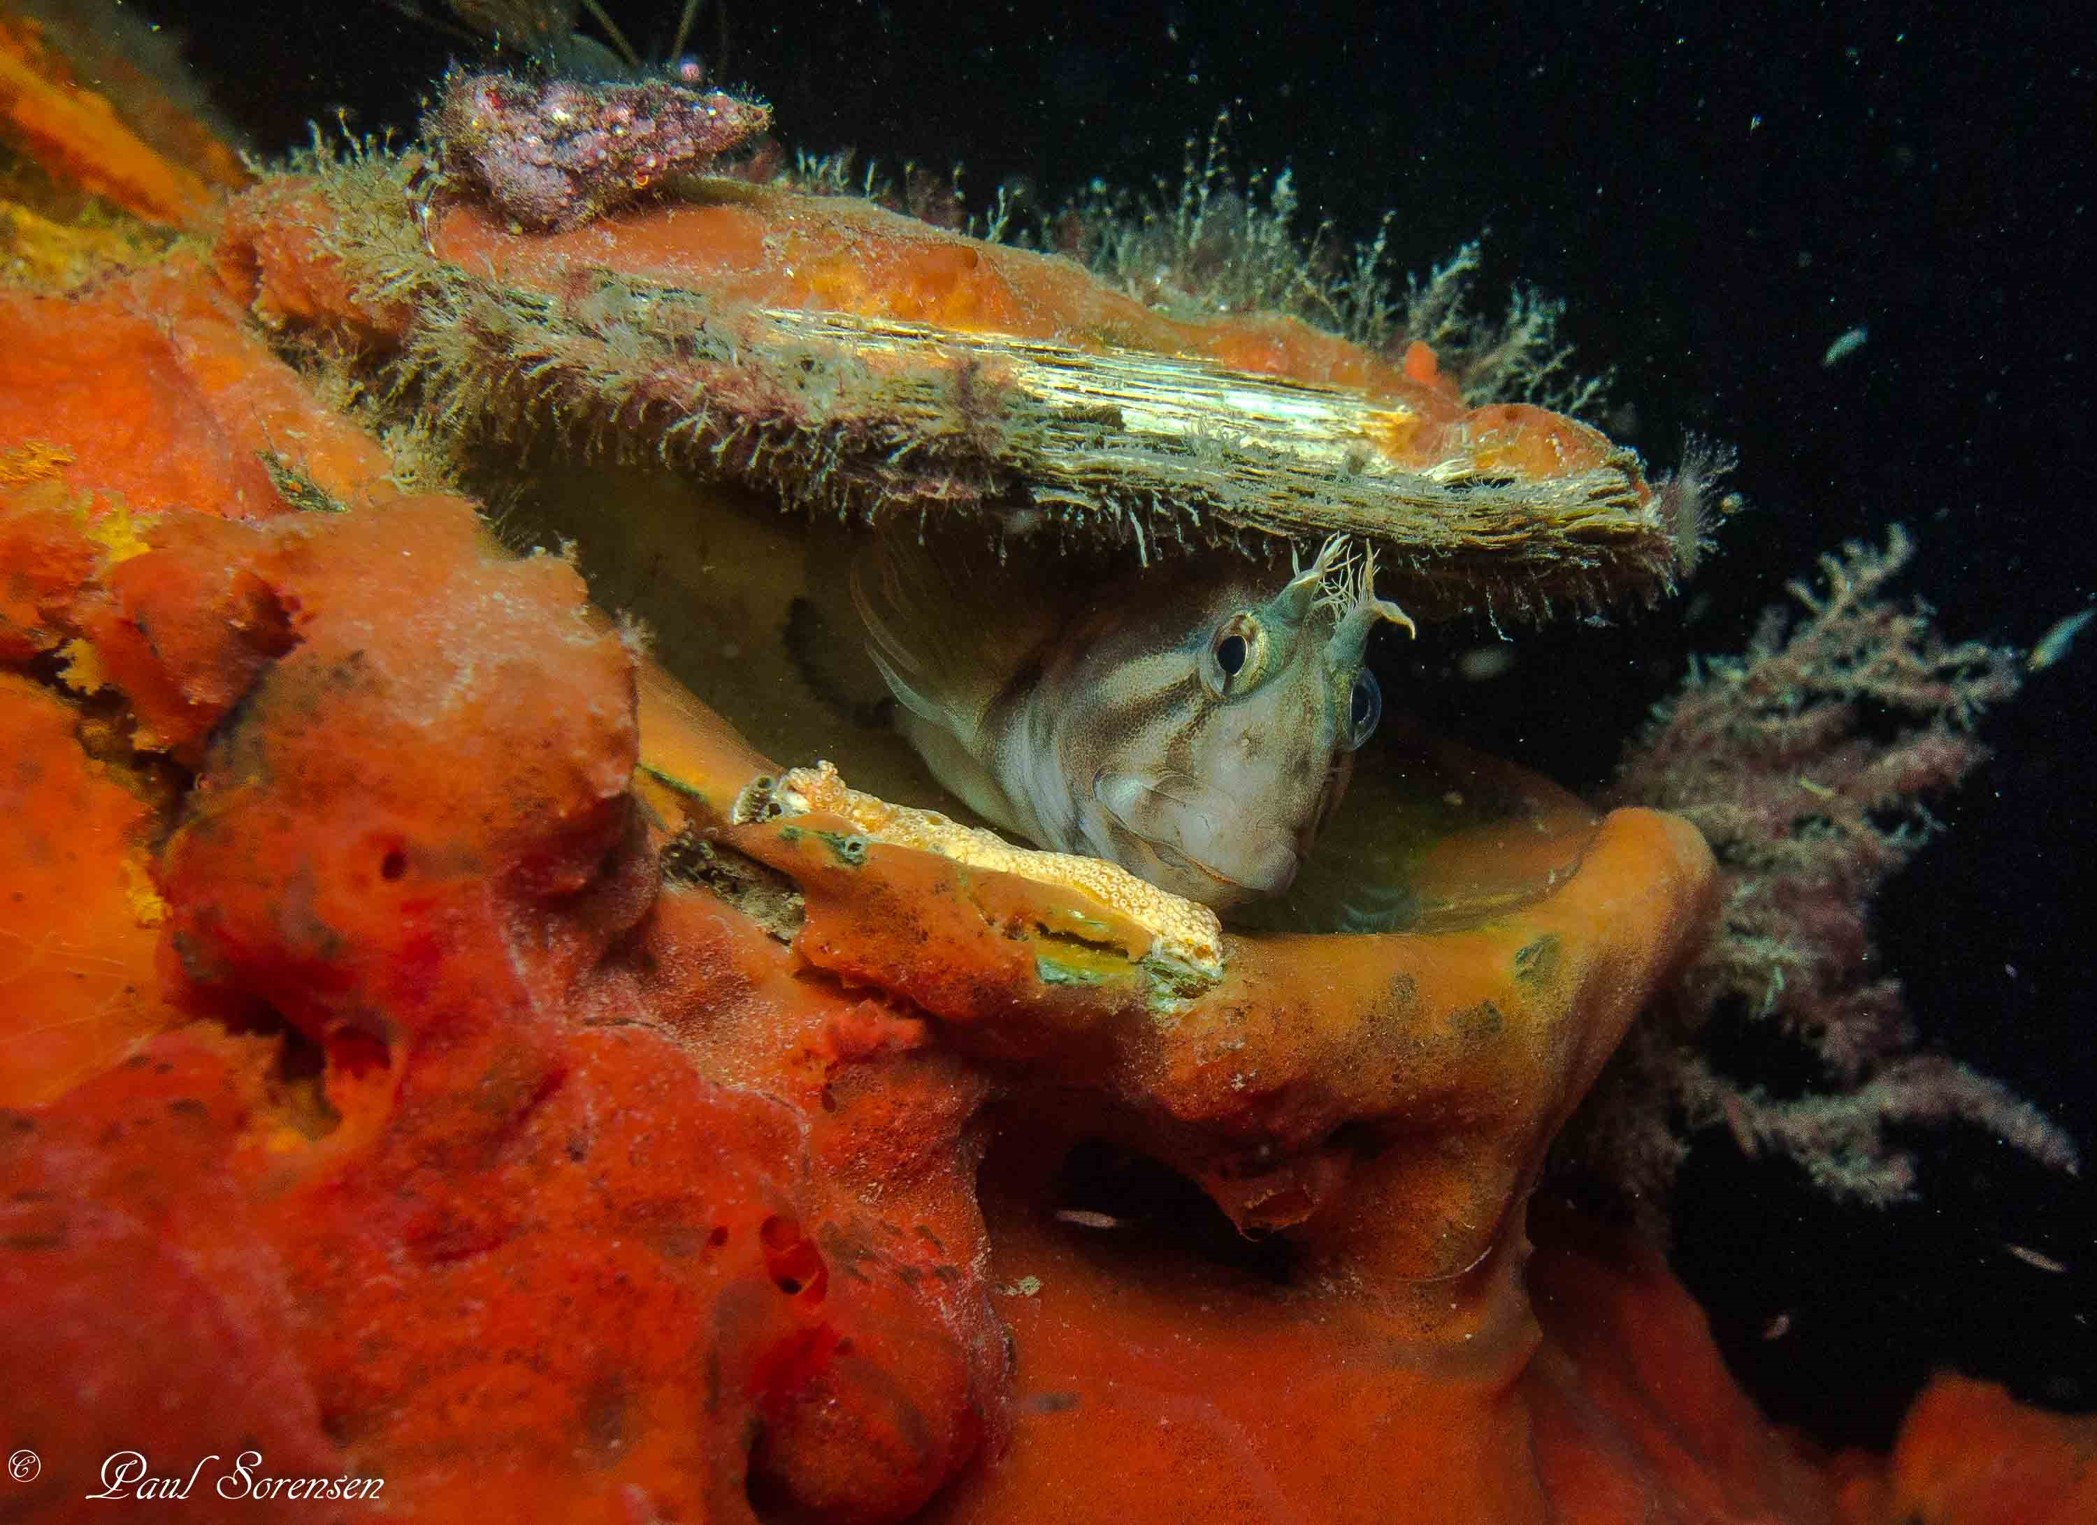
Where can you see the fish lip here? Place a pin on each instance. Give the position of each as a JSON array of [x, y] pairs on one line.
[[1172, 852]]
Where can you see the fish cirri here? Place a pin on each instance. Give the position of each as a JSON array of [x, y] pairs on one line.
[[1195, 724]]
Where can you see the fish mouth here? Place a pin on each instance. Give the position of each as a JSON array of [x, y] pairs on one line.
[[1187, 827], [1270, 880]]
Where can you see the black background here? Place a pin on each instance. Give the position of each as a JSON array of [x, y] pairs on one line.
[[1718, 192]]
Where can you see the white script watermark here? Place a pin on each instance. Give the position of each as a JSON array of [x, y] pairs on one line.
[[128, 1475]]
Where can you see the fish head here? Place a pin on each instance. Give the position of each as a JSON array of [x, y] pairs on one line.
[[1220, 793]]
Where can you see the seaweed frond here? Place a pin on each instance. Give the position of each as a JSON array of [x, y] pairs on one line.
[[1809, 763]]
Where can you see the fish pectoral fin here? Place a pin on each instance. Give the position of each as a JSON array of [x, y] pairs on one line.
[[948, 624], [923, 706], [958, 770]]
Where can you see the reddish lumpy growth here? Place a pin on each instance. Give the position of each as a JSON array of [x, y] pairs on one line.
[[558, 154]]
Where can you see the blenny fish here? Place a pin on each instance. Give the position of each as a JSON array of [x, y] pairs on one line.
[[1195, 723]]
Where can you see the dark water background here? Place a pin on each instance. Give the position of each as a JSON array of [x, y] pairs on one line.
[[1718, 192]]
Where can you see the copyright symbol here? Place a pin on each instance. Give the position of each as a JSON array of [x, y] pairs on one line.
[[24, 1466]]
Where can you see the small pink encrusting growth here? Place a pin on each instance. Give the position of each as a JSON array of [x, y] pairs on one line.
[[560, 153]]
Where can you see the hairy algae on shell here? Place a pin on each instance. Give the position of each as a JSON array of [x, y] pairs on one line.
[[1048, 400]]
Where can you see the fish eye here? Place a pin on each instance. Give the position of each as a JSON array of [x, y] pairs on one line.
[[1237, 653], [1364, 709]]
